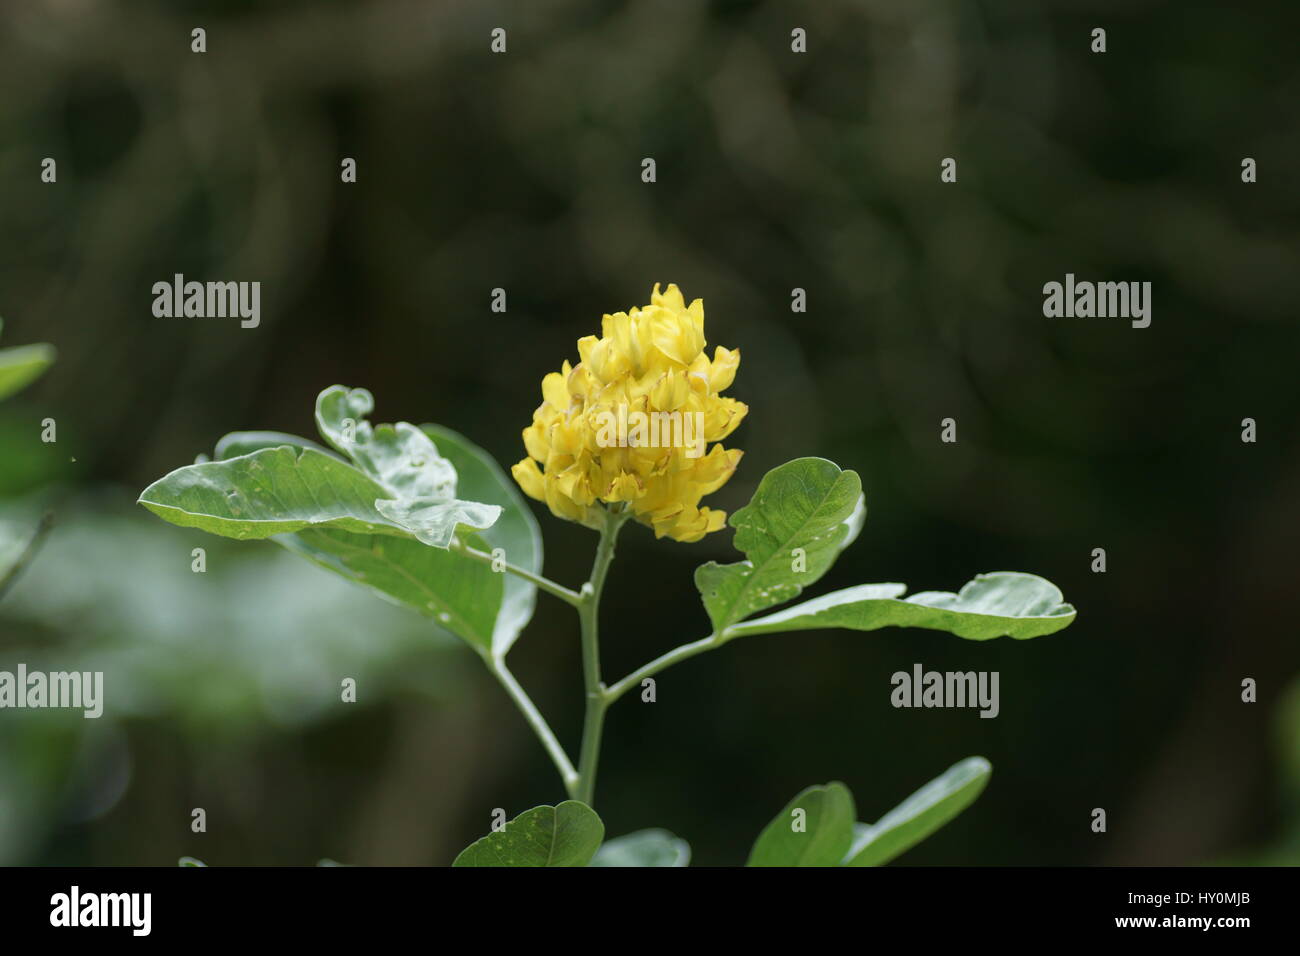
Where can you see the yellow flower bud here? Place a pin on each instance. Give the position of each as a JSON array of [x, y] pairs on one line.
[[631, 422]]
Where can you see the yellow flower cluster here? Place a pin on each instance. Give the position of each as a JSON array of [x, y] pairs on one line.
[[629, 423]]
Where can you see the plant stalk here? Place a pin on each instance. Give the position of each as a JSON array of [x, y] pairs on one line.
[[540, 727], [597, 700], [545, 584], [676, 655], [28, 554]]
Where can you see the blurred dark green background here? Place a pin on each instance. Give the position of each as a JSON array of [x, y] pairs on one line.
[[776, 170]]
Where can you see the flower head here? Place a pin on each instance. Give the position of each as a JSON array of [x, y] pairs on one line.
[[632, 420]]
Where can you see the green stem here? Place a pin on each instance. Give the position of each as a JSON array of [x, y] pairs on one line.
[[538, 723], [676, 655], [593, 721], [546, 584], [9, 577]]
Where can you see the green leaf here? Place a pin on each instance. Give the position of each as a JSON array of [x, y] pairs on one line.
[[1003, 603], [21, 366], [814, 829], [854, 522], [516, 532], [463, 595], [807, 504], [920, 814], [644, 848], [245, 443], [565, 835], [401, 485], [421, 484], [272, 491], [314, 503], [468, 598]]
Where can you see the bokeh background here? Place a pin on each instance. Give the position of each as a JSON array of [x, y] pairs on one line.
[[776, 170]]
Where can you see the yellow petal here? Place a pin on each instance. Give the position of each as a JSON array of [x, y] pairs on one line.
[[529, 477], [555, 391], [649, 362]]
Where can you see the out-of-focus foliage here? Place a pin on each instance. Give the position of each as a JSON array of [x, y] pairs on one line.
[[776, 171], [258, 644], [1284, 848], [22, 365]]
